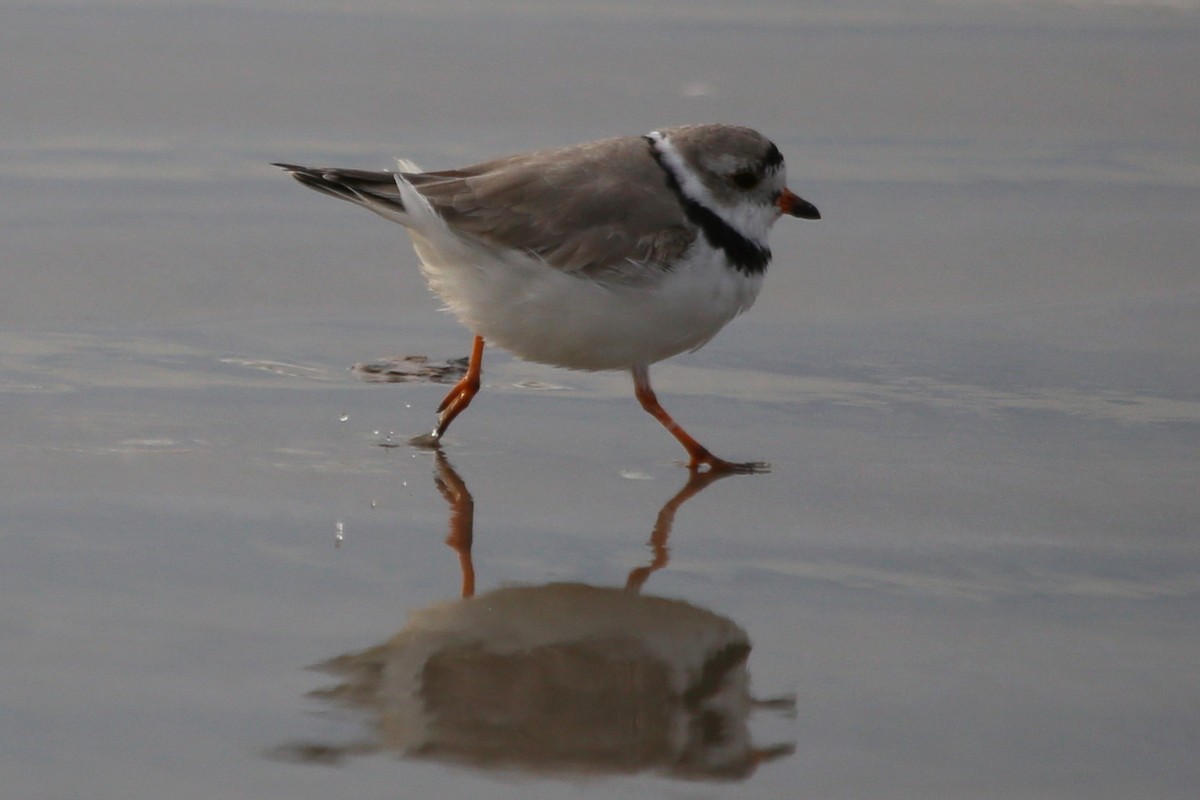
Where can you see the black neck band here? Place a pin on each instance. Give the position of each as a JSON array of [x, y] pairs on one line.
[[746, 256]]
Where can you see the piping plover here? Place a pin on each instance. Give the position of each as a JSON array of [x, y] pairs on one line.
[[613, 254]]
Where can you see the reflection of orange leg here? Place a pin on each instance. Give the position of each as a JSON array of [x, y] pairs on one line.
[[459, 397], [462, 519], [698, 482], [698, 455]]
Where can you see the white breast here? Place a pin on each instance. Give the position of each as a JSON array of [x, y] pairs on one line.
[[543, 314]]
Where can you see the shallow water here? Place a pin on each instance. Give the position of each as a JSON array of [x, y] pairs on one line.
[[974, 570]]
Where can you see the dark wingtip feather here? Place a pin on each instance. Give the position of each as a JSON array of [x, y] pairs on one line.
[[315, 179], [363, 187]]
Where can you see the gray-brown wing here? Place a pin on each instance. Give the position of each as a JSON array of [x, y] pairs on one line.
[[599, 209]]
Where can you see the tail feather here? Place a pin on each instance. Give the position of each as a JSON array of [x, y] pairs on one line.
[[374, 190]]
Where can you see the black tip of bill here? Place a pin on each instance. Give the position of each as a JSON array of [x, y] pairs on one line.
[[796, 206], [806, 210]]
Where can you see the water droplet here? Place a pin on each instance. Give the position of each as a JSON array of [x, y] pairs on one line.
[[339, 534], [343, 417]]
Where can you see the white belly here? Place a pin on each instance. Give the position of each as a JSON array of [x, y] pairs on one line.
[[542, 314]]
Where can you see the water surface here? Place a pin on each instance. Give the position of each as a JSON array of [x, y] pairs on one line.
[[973, 571]]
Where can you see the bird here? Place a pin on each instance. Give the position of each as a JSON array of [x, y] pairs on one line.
[[609, 255]]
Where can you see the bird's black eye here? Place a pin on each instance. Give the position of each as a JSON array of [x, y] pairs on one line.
[[745, 179]]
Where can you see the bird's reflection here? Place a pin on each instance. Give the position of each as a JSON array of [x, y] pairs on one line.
[[554, 679]]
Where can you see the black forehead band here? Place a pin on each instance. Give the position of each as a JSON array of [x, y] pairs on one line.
[[773, 158]]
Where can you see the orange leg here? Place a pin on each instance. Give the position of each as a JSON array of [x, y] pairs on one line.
[[458, 398], [698, 455]]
